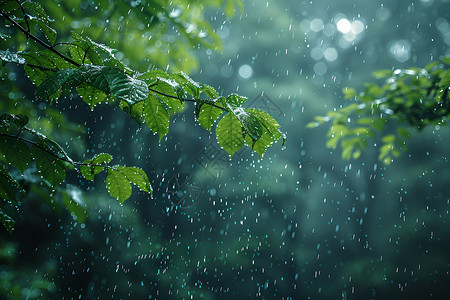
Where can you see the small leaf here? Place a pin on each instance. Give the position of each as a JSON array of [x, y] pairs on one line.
[[88, 170], [92, 96], [229, 9], [49, 32], [207, 114], [138, 177], [229, 134], [156, 116], [118, 185]]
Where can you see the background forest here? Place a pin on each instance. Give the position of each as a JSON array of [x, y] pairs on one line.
[[300, 223]]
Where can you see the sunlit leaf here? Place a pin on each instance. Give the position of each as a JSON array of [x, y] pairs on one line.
[[207, 114], [136, 176], [229, 134], [156, 116], [118, 185]]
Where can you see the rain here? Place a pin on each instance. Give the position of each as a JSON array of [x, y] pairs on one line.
[[300, 222]]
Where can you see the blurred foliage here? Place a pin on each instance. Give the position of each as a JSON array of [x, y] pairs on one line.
[[408, 98], [13, 283], [152, 33]]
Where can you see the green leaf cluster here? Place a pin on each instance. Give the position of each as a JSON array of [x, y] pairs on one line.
[[408, 99], [119, 178], [20, 146], [98, 76], [150, 98]]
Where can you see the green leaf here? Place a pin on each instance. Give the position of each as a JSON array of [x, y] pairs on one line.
[[138, 177], [85, 51], [380, 74], [91, 95], [251, 124], [89, 171], [114, 81], [118, 185], [51, 168], [349, 93], [209, 91], [156, 116], [270, 131], [9, 187], [175, 86], [49, 32], [129, 89], [46, 59], [38, 10], [188, 84], [16, 152], [229, 9], [135, 111], [207, 114], [229, 134], [7, 221], [55, 82], [235, 100]]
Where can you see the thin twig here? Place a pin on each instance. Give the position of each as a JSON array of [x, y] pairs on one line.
[[209, 102], [52, 153], [25, 17], [39, 41]]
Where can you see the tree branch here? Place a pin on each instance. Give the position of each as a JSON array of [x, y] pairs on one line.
[[39, 41]]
